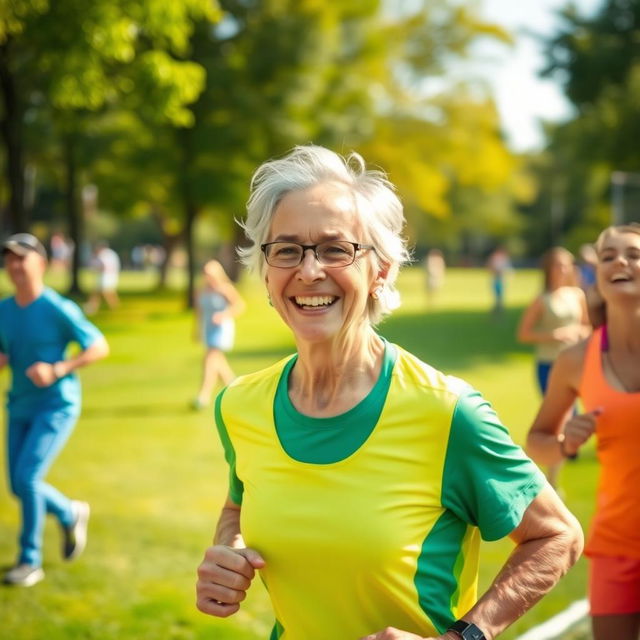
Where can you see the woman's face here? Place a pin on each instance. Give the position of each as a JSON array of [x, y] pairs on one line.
[[561, 270], [316, 301], [618, 269]]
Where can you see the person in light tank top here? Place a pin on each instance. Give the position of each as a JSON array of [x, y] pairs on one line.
[[604, 372], [555, 319]]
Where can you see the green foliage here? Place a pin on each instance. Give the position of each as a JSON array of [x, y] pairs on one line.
[[597, 60]]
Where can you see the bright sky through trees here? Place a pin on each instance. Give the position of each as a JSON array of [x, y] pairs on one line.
[[522, 96]]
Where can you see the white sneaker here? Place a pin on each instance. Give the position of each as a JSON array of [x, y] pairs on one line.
[[74, 538], [23, 575]]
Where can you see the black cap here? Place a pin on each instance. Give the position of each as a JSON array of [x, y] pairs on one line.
[[22, 243]]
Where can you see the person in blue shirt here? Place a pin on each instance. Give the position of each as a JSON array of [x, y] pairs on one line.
[[36, 326]]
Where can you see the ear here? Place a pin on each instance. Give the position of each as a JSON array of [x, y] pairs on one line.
[[381, 276]]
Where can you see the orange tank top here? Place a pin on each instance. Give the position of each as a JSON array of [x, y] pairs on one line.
[[615, 529]]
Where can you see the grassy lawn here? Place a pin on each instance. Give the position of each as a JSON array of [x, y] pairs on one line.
[[155, 475]]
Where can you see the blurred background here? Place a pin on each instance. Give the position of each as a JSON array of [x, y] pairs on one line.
[[140, 121]]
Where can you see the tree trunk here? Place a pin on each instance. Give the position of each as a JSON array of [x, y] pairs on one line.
[[228, 254], [11, 126], [190, 209], [169, 243], [75, 218]]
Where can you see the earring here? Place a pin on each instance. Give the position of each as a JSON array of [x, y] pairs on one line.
[[376, 293], [269, 300]]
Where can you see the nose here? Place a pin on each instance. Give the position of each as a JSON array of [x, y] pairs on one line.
[[310, 268]]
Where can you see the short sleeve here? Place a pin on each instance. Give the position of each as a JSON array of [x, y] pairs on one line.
[[76, 326], [488, 481], [236, 488]]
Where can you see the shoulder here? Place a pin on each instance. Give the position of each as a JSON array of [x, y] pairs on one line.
[[63, 308], [572, 359], [413, 371], [54, 299], [256, 381]]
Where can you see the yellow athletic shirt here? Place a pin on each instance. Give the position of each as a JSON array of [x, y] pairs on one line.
[[380, 528]]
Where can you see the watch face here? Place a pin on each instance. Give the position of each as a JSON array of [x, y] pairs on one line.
[[467, 630]]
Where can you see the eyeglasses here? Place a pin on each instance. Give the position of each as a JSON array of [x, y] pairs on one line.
[[332, 253]]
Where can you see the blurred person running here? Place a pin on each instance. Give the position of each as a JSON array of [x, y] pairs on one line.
[[557, 318], [106, 263], [604, 372], [36, 326], [499, 265], [435, 269], [217, 304]]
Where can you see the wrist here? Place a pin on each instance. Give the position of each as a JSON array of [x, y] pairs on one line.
[[462, 629], [563, 450], [58, 370]]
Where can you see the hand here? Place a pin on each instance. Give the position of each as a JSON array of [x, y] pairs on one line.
[[390, 633], [579, 429], [224, 576], [219, 317], [569, 334], [42, 374]]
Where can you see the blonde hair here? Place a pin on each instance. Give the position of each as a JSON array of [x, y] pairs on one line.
[[306, 166], [631, 227]]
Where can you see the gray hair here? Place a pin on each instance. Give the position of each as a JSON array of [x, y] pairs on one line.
[[309, 165]]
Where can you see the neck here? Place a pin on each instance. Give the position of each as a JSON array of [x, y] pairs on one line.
[[330, 375], [623, 328], [27, 293]]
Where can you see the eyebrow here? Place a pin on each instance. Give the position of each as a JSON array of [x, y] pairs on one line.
[[293, 238]]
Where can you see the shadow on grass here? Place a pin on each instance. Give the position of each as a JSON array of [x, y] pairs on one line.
[[456, 339], [445, 339], [139, 410]]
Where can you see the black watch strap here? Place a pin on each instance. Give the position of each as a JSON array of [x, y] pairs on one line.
[[466, 630]]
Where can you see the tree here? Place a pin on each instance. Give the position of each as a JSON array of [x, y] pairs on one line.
[[68, 61], [597, 61]]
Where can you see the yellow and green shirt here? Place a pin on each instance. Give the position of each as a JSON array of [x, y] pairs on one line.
[[371, 518]]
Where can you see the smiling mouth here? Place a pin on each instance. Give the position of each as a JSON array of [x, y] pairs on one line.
[[313, 302], [620, 278]]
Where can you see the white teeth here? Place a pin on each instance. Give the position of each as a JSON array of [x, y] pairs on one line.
[[314, 301]]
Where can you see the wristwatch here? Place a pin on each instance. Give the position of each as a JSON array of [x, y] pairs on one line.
[[466, 630]]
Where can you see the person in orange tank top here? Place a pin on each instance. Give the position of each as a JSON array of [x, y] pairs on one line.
[[604, 372]]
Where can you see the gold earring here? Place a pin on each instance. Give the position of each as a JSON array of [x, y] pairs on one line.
[[376, 293]]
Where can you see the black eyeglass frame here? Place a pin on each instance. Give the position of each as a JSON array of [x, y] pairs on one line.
[[357, 246]]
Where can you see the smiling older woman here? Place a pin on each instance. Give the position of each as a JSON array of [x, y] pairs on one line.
[[361, 478]]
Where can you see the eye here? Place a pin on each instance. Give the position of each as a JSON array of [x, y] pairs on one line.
[[336, 248], [285, 250]]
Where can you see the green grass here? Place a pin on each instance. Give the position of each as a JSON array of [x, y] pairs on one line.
[[154, 472]]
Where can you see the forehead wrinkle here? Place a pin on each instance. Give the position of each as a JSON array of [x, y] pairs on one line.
[[331, 200]]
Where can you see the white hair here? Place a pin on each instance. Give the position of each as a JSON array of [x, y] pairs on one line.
[[306, 166]]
